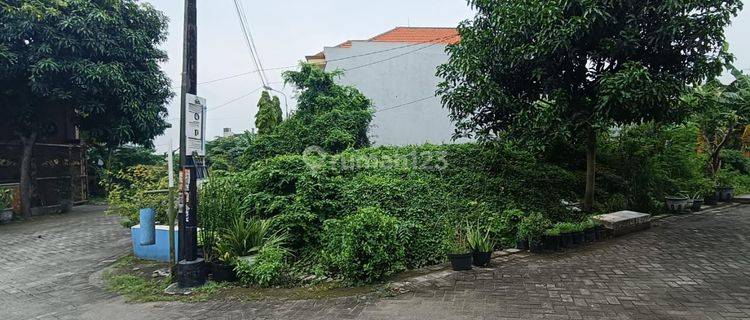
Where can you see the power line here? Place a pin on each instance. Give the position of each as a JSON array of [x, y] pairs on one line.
[[244, 73], [390, 58], [405, 104], [394, 48], [247, 36], [432, 41], [228, 102]]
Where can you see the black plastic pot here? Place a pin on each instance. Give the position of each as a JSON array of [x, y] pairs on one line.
[[725, 193], [589, 235], [601, 233], [710, 199], [579, 238], [481, 259], [522, 244], [696, 206], [536, 246], [566, 240], [551, 243], [460, 261], [221, 272]]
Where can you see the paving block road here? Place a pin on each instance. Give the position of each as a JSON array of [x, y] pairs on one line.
[[694, 266]]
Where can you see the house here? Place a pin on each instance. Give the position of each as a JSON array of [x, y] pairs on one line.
[[396, 70]]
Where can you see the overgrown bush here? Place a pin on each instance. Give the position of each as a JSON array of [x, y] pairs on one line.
[[363, 247], [128, 190], [640, 165], [265, 269]]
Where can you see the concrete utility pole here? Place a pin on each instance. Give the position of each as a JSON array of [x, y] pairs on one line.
[[190, 269]]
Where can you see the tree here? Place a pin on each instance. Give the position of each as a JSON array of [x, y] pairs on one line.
[[532, 70], [721, 111], [98, 60], [268, 117], [328, 115]]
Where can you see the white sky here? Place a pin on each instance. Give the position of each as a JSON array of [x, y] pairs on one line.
[[287, 30]]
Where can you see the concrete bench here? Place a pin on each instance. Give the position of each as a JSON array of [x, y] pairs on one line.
[[623, 222], [744, 199]]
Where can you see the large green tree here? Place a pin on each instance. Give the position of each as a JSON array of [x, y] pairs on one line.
[[535, 69], [98, 59]]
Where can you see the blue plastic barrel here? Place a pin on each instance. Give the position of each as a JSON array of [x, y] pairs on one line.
[[148, 227]]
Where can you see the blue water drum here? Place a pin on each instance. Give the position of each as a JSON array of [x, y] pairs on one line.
[[148, 227]]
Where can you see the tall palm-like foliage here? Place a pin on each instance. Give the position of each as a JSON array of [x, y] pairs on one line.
[[720, 112], [246, 237]]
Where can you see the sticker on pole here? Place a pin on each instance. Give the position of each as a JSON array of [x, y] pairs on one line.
[[195, 124]]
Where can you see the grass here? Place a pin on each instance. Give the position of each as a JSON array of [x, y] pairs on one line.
[[131, 278]]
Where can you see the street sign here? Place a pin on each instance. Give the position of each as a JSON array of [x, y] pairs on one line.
[[195, 125]]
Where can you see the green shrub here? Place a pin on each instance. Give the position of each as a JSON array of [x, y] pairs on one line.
[[265, 269], [127, 192], [363, 247], [532, 227]]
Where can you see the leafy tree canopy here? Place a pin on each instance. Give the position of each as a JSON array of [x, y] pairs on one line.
[[328, 115], [537, 69], [562, 64], [721, 111], [269, 113], [98, 58]]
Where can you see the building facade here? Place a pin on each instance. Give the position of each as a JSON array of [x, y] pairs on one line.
[[396, 70]]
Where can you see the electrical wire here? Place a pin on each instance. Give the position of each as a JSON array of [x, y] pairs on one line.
[[433, 41], [405, 104], [247, 36]]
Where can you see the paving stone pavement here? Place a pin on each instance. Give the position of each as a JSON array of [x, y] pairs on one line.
[[687, 267]]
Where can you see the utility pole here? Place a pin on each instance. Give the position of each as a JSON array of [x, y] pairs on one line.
[[190, 269]]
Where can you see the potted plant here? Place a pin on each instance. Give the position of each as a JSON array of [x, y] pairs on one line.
[[677, 204], [532, 229], [481, 246], [459, 253], [222, 269], [552, 239], [589, 230], [696, 202], [565, 230], [724, 189]]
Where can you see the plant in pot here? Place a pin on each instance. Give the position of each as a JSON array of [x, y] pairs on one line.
[[459, 253], [532, 229], [589, 230], [481, 246], [565, 230], [678, 203], [552, 239], [724, 186]]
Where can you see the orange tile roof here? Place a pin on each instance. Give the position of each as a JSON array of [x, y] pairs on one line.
[[419, 34], [407, 34]]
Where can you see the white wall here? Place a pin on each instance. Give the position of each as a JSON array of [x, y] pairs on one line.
[[394, 82]]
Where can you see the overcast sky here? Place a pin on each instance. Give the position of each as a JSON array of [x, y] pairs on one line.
[[287, 30]]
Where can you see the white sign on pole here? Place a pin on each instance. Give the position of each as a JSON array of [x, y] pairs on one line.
[[195, 124]]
